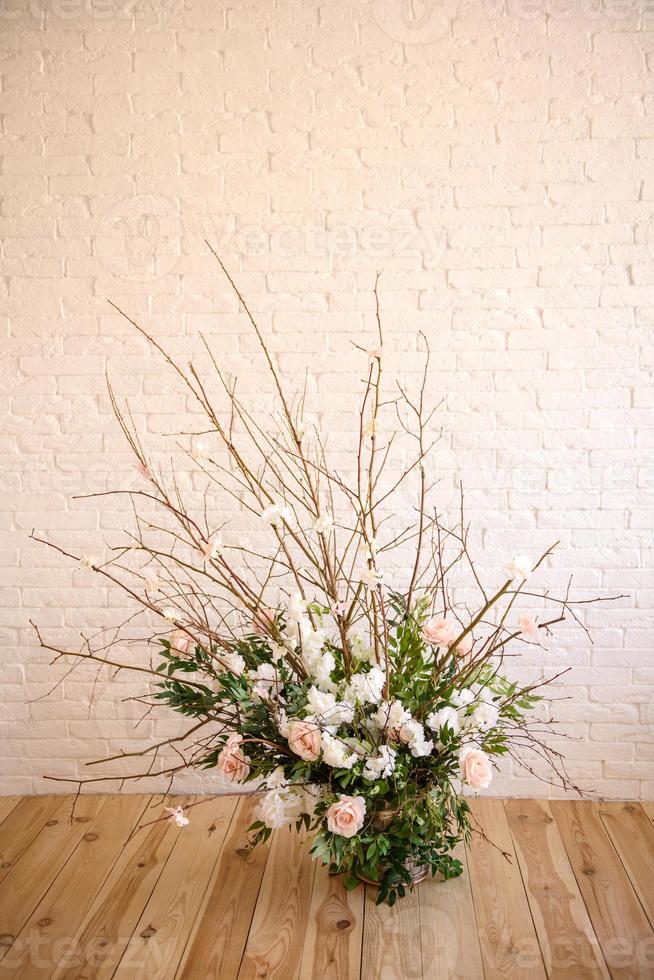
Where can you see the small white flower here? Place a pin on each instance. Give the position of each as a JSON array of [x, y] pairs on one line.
[[518, 568], [278, 652], [87, 562], [169, 613], [296, 608], [325, 709], [371, 577], [446, 716], [177, 815], [412, 734], [276, 779], [200, 450], [265, 677], [335, 752], [485, 715], [366, 688], [323, 524], [390, 715], [462, 698], [233, 662], [213, 548], [380, 766], [276, 514]]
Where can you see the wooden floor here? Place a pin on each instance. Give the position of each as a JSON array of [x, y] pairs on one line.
[[576, 900]]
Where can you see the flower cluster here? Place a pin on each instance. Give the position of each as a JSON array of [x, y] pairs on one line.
[[335, 735], [362, 713]]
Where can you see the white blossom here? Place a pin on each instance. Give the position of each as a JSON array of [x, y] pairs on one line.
[[323, 524], [265, 677], [445, 716], [280, 807], [177, 815], [380, 766], [485, 715], [519, 568], [412, 734], [325, 709], [371, 577], [335, 752], [276, 513], [366, 688], [87, 562], [462, 697], [390, 715], [233, 662], [361, 650], [169, 613], [276, 779]]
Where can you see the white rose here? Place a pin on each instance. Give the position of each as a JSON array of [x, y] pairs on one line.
[[445, 716], [485, 715]]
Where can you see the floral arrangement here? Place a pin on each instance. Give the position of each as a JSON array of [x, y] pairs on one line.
[[361, 710]]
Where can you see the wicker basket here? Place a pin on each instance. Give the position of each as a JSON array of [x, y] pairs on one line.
[[418, 872]]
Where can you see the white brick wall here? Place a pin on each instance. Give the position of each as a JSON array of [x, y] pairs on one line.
[[493, 159]]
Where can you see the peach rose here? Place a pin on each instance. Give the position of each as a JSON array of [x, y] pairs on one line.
[[304, 739], [182, 642], [465, 646], [231, 761], [345, 817], [263, 620], [438, 631], [475, 767], [528, 625]]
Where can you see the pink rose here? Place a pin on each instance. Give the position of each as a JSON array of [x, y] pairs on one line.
[[262, 621], [438, 631], [182, 642], [465, 646], [345, 817], [304, 739], [475, 767], [528, 625], [231, 761]]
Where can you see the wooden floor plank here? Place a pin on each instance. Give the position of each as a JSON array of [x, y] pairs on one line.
[[620, 924], [100, 941], [632, 835], [194, 904], [391, 938], [216, 945], [276, 939], [332, 945], [566, 936], [38, 948], [21, 826], [161, 934], [507, 936], [7, 804], [33, 873], [649, 810], [448, 928]]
